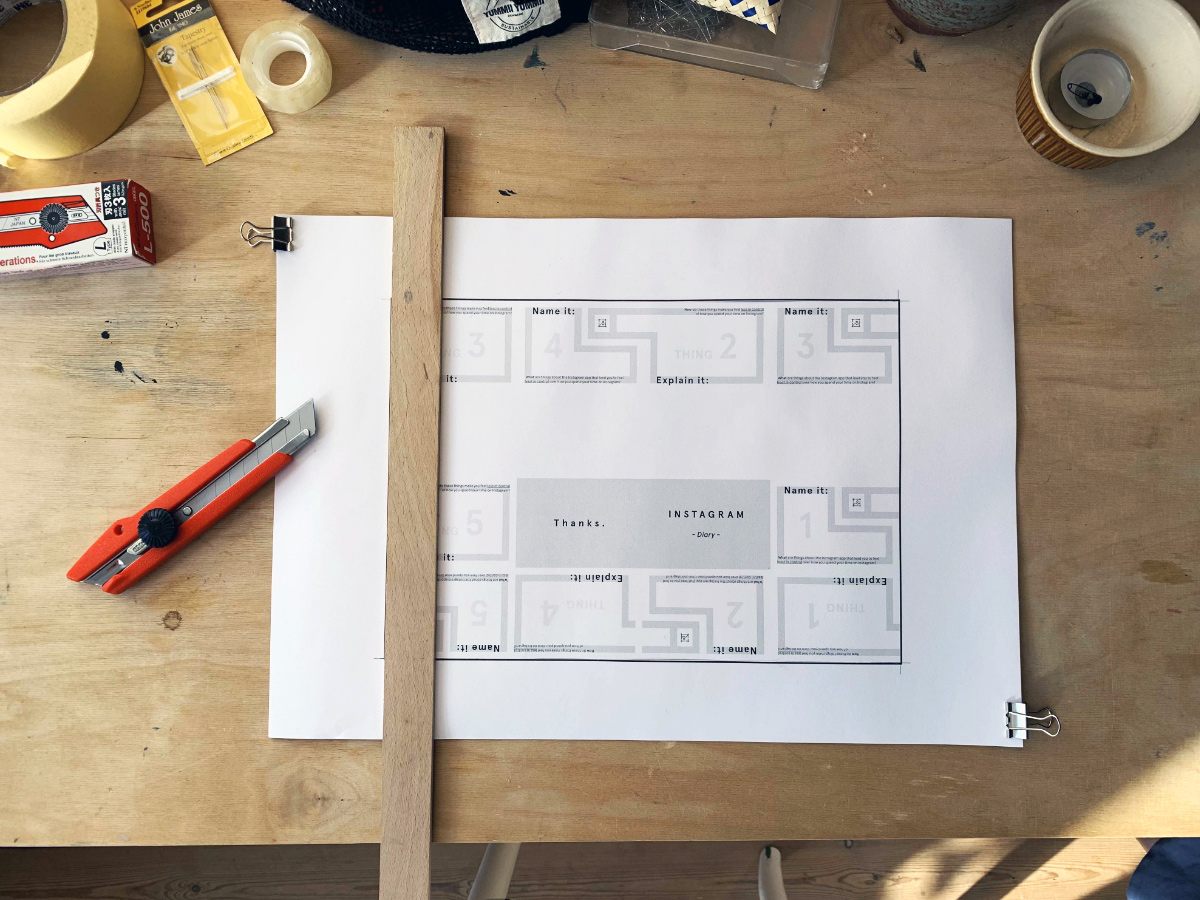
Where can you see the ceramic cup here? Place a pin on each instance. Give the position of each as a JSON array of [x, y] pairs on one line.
[[1158, 42]]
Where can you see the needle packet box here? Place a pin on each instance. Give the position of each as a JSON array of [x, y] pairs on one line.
[[203, 77], [74, 229]]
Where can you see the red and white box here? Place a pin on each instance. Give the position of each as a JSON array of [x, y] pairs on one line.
[[78, 228]]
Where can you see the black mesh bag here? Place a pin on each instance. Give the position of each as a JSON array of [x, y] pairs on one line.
[[431, 26]]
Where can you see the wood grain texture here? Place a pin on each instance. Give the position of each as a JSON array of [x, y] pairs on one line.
[[114, 728], [410, 592], [1091, 868]]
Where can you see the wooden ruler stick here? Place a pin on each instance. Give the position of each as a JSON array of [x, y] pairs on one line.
[[412, 515]]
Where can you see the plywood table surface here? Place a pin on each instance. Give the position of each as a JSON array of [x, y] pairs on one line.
[[142, 719]]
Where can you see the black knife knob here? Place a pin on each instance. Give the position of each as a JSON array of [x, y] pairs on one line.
[[157, 528]]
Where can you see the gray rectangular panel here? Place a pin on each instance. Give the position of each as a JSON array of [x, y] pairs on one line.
[[643, 523]]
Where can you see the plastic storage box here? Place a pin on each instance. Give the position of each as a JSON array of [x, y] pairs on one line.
[[798, 54]]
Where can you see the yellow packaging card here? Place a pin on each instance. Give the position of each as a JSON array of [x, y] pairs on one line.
[[200, 72]]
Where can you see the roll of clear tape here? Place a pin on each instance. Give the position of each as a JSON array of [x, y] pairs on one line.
[[261, 49], [85, 93]]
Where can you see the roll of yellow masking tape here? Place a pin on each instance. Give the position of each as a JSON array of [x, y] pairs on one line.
[[84, 94]]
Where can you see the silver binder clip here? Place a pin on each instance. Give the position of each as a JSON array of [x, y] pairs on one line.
[[279, 235], [1020, 722]]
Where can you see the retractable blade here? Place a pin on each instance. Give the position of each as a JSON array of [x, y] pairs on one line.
[[133, 547]]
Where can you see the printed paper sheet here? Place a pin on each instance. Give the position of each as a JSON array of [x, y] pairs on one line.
[[685, 492]]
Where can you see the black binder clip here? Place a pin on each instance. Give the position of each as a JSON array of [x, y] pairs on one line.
[[279, 235], [1020, 722]]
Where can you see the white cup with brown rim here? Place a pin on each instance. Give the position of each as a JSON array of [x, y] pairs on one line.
[[1156, 40]]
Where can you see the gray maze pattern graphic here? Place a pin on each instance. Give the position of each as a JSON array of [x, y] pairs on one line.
[[845, 608], [693, 619], [626, 343], [688, 630], [637, 592], [474, 347], [501, 522], [855, 505], [848, 324], [887, 619], [452, 610], [521, 642]]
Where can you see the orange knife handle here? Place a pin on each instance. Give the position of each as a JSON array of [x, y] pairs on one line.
[[192, 528], [123, 532]]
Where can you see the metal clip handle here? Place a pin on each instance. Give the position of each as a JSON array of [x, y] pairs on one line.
[[279, 235], [1020, 722]]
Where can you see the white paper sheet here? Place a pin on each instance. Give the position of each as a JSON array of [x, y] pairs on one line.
[[331, 334], [691, 490]]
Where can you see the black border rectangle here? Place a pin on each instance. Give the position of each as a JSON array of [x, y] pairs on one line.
[[899, 488]]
